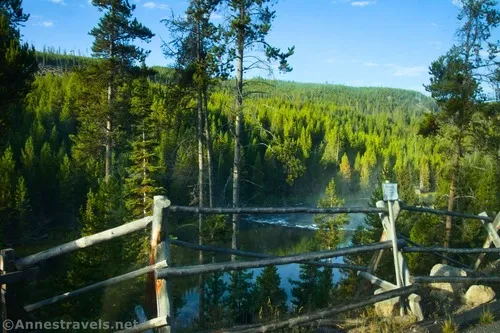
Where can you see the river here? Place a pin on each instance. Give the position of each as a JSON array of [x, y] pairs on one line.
[[278, 234]]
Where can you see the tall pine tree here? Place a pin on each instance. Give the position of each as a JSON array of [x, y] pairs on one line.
[[114, 36]]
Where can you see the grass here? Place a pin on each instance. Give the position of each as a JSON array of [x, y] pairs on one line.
[[487, 317], [449, 326]]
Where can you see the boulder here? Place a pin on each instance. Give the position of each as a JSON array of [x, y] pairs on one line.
[[478, 294], [445, 289], [387, 308]]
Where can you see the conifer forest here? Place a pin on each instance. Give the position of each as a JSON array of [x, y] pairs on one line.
[[86, 141]]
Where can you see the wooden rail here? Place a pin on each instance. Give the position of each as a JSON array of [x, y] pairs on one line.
[[446, 213], [95, 286], [289, 323], [249, 254], [276, 210], [451, 250], [275, 261], [84, 242], [455, 279]]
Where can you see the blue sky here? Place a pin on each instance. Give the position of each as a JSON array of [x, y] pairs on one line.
[[353, 42]]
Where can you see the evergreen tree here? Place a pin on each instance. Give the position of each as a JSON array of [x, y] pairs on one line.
[[17, 66], [7, 174], [329, 232], [239, 300], [455, 84], [345, 168], [213, 306], [270, 299], [23, 209], [141, 184], [250, 22], [305, 291], [114, 36]]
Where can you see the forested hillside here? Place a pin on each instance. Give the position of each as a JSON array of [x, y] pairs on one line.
[[86, 143]]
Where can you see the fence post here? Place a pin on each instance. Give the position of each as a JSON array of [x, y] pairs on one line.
[[7, 257], [492, 229], [160, 248], [390, 192]]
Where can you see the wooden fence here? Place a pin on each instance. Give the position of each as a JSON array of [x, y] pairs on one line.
[[16, 270]]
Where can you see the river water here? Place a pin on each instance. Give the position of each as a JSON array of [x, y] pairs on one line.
[[278, 234]]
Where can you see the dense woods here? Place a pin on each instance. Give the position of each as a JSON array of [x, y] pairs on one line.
[[79, 158]]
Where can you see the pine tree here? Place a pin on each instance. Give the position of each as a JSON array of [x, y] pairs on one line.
[[213, 306], [250, 22], [270, 299], [345, 168], [23, 209], [305, 290], [7, 174], [425, 175], [239, 300], [329, 232], [114, 36], [141, 184], [17, 66], [455, 85]]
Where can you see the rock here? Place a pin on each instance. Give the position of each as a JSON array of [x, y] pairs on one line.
[[478, 294], [445, 289], [387, 308]]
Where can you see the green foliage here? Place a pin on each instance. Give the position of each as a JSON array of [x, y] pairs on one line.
[[329, 232], [214, 313], [313, 290], [270, 299], [142, 181], [449, 326], [240, 298], [17, 67], [487, 317]]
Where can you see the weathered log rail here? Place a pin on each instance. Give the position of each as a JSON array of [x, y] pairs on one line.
[[15, 270]]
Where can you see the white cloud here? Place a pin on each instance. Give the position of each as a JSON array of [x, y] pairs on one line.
[[330, 60], [363, 3], [409, 71], [155, 5], [434, 24], [457, 3], [59, 2], [370, 64], [46, 24]]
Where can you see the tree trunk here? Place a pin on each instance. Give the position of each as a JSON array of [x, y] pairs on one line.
[[208, 147], [109, 124], [451, 198], [237, 130], [144, 173], [109, 139]]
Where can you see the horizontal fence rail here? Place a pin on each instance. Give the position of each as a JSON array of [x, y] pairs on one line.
[[84, 242], [248, 254], [277, 210], [446, 213], [98, 285], [437, 254], [277, 261], [451, 250], [321, 314], [453, 279]]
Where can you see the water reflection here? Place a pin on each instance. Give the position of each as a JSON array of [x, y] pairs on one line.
[[272, 234]]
